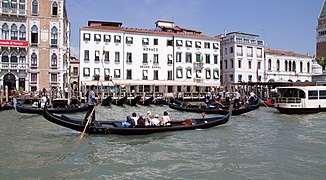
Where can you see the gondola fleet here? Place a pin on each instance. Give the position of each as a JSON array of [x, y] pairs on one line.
[[291, 100]]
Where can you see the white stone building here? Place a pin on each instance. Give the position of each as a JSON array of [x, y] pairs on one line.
[[242, 58], [287, 66], [166, 59]]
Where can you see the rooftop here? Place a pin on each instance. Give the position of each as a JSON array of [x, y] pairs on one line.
[[289, 53]]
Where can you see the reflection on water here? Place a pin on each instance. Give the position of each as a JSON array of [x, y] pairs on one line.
[[256, 145]]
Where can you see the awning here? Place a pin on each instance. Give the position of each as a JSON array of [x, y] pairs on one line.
[[86, 35], [107, 37], [198, 74], [107, 72], [188, 73], [198, 43], [188, 43], [97, 53], [86, 71], [97, 36], [179, 42], [117, 37], [145, 40], [98, 83], [170, 57], [216, 74], [97, 71], [215, 45], [129, 38], [155, 82], [208, 74], [179, 73], [117, 72], [145, 73]]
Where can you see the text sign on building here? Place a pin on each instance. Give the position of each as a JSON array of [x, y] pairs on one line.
[[13, 43]]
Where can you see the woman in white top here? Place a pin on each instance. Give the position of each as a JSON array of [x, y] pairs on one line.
[[165, 119]]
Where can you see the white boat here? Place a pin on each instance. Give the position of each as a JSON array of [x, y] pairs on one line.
[[301, 99]]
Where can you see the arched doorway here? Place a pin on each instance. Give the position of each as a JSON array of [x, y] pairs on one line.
[[10, 81]]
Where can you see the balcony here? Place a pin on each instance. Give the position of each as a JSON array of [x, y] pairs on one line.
[[13, 12], [198, 65], [13, 66]]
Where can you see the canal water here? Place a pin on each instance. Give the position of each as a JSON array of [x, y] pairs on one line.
[[259, 145]]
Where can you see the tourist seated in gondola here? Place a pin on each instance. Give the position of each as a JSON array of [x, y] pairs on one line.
[[141, 120], [155, 121], [135, 118], [166, 119], [131, 121], [148, 118]]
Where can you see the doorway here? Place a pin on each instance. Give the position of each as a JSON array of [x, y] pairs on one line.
[[10, 81]]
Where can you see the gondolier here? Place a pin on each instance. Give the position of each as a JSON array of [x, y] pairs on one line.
[[91, 102]]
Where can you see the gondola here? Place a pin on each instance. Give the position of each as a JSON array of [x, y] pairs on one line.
[[133, 101], [147, 101], [117, 127], [31, 110], [107, 101], [159, 101], [211, 110], [119, 102], [6, 107]]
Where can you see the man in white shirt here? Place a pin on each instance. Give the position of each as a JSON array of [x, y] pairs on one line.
[[236, 96], [227, 97]]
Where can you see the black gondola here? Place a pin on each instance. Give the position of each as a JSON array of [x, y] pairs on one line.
[[107, 101], [133, 101], [117, 127], [147, 101], [119, 102], [208, 110], [31, 110]]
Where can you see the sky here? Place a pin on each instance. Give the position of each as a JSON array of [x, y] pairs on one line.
[[288, 25]]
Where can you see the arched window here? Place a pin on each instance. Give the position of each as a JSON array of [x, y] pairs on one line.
[[269, 64], [294, 66], [34, 35], [14, 32], [22, 58], [54, 9], [286, 65], [290, 65], [308, 67], [33, 59], [278, 65], [54, 60], [5, 31], [5, 57], [13, 57], [34, 7], [22, 32], [54, 36], [301, 66]]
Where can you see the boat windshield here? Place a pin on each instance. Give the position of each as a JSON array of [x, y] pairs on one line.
[[291, 93]]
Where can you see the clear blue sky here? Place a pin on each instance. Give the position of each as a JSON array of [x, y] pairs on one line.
[[283, 24]]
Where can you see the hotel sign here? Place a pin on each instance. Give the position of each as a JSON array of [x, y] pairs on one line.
[[13, 43], [150, 49]]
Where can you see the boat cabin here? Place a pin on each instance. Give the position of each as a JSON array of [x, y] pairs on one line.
[[301, 98]]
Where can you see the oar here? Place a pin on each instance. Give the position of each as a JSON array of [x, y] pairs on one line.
[[88, 120]]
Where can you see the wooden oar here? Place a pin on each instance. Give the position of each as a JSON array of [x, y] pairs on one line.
[[88, 120]]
